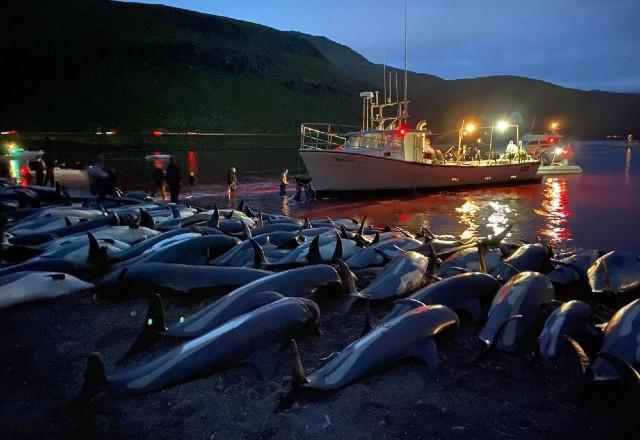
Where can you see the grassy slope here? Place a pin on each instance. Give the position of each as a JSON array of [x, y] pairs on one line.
[[84, 64]]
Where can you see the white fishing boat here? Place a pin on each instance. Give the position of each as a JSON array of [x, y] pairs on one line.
[[552, 150], [383, 154]]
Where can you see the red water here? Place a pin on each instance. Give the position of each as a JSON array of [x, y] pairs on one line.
[[599, 209]]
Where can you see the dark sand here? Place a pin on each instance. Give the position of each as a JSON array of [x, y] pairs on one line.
[[44, 347]]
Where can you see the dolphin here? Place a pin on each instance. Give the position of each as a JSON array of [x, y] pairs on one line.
[[469, 260], [179, 278], [379, 254], [22, 287], [516, 309], [254, 337], [621, 342], [529, 257], [615, 272], [568, 319], [410, 335], [467, 291]]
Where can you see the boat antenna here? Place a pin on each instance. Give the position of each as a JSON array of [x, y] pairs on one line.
[[384, 73], [398, 99], [405, 61]]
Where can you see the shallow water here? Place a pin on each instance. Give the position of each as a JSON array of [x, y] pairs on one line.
[[598, 209]]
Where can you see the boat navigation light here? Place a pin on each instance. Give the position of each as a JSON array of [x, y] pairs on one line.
[[559, 151], [502, 125], [554, 125], [402, 130], [470, 127]]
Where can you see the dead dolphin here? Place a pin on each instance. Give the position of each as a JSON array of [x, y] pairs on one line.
[[467, 291], [469, 260], [567, 320], [409, 335], [253, 337], [622, 342], [516, 309], [378, 254], [22, 287], [403, 275], [615, 272], [318, 279], [533, 257], [175, 278]]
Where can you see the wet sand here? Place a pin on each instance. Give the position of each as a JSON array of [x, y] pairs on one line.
[[44, 347]]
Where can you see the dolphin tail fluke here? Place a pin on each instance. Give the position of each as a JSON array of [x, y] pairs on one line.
[[97, 254], [314, 256], [626, 371], [298, 379], [153, 328], [347, 277], [361, 229], [95, 380], [580, 352], [491, 344], [307, 223], [214, 221], [246, 230], [259, 258], [146, 220], [337, 253]]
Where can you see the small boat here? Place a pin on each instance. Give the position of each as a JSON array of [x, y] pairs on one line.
[[552, 151]]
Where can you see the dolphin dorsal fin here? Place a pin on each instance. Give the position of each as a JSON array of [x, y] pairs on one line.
[[314, 256]]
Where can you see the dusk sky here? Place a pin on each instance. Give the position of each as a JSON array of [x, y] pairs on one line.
[[585, 44]]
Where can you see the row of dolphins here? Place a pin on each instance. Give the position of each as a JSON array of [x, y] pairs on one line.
[[270, 272]]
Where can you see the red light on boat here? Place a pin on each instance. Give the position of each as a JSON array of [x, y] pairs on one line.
[[157, 132], [191, 133], [8, 132], [402, 130]]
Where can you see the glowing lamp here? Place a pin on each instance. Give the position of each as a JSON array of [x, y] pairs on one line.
[[559, 151], [470, 127], [554, 125], [402, 130], [157, 132], [502, 125]]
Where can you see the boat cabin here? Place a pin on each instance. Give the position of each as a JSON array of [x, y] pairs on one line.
[[409, 145]]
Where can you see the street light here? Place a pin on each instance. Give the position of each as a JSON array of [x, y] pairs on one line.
[[502, 125], [470, 127], [554, 125]]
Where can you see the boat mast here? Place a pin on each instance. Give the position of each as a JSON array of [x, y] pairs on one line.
[[404, 104]]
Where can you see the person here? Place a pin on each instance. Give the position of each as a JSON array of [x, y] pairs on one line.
[[158, 179], [38, 167], [49, 164], [232, 180], [98, 178], [512, 151], [192, 178], [173, 180], [284, 181]]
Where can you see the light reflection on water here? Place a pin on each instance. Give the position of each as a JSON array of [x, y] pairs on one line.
[[555, 211]]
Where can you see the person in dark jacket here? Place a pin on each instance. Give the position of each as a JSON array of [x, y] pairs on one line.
[[38, 167], [49, 164], [173, 180]]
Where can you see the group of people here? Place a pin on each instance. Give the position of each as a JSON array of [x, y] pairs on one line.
[[170, 176]]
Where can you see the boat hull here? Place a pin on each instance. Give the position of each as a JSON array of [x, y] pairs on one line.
[[334, 171]]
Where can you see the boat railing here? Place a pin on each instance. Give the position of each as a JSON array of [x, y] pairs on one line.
[[324, 136]]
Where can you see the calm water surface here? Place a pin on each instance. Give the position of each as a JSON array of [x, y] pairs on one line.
[[599, 209]]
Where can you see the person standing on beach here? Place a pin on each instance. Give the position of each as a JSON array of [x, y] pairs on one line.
[[232, 180], [158, 179], [38, 167], [49, 164], [173, 180], [284, 181]]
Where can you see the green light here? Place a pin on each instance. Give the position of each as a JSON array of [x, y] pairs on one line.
[[149, 321], [182, 319]]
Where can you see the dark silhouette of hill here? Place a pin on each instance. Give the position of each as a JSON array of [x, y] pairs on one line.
[[84, 64]]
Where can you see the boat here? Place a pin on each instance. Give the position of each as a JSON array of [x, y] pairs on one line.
[[384, 154], [552, 150]]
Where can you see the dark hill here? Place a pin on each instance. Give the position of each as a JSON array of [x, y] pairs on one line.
[[444, 103], [84, 64]]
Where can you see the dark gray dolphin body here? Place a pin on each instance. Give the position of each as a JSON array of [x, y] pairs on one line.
[[529, 257], [622, 340], [615, 272], [468, 291], [404, 274], [567, 320], [137, 249], [468, 259], [406, 336], [294, 282], [374, 255], [567, 273], [523, 295], [253, 337], [179, 278]]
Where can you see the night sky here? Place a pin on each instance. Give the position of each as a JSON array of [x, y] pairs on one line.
[[585, 44]]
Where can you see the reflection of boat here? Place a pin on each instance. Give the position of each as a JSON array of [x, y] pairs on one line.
[[386, 155]]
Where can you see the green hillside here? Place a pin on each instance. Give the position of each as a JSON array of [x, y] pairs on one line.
[[77, 65]]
